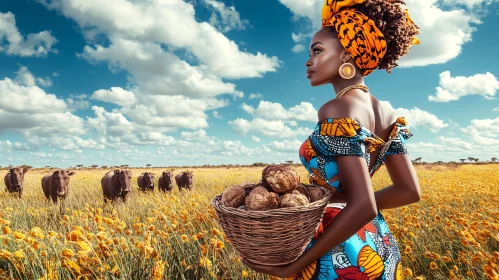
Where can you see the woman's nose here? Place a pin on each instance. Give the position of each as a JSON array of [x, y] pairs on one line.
[[308, 62]]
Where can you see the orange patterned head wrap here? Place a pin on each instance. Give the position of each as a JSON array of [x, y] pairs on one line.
[[358, 34]]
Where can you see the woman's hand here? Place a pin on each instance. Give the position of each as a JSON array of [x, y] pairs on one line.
[[282, 271]]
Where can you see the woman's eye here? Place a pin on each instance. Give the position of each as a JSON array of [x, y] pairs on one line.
[[315, 51]]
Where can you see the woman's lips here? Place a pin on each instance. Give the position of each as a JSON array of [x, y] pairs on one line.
[[309, 74]]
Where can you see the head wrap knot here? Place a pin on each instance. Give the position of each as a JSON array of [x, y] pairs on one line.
[[358, 34]]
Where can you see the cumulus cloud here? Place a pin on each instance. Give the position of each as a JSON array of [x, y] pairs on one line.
[[167, 22], [13, 43], [417, 118], [298, 48], [272, 128], [225, 18], [453, 88], [115, 95], [255, 96], [305, 111]]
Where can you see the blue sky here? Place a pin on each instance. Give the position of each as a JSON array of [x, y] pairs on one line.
[[218, 82]]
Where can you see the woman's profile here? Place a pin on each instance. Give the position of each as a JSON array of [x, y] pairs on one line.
[[353, 137]]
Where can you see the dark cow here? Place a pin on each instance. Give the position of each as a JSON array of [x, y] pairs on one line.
[[56, 185], [116, 183], [184, 180], [14, 180], [146, 181], [165, 182]]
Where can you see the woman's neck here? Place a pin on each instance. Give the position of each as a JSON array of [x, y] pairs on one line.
[[343, 83]]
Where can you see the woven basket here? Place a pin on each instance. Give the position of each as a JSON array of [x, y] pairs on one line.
[[271, 237]]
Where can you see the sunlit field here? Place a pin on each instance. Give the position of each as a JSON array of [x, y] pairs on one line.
[[452, 233]]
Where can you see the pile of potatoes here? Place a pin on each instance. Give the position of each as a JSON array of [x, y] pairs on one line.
[[280, 187]]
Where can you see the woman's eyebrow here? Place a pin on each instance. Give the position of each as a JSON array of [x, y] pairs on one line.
[[316, 44]]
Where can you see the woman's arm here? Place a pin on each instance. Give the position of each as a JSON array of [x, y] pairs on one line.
[[405, 189], [360, 209]]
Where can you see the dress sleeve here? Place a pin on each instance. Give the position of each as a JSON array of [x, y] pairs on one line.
[[399, 135], [341, 137]]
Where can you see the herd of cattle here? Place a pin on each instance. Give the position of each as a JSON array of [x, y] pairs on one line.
[[115, 183]]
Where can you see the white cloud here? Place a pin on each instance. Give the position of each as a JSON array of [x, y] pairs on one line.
[[198, 135], [470, 4], [35, 44], [496, 109], [300, 37], [255, 96], [416, 117], [225, 18], [288, 146], [305, 111], [26, 78], [298, 48], [110, 123], [115, 95], [169, 22], [453, 88], [76, 104], [254, 138], [216, 115], [272, 128]]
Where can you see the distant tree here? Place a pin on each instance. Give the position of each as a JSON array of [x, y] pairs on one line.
[[476, 159], [124, 165], [470, 159], [462, 160], [25, 166], [79, 165], [289, 162], [494, 159], [94, 166], [104, 167], [418, 160], [47, 166], [148, 165]]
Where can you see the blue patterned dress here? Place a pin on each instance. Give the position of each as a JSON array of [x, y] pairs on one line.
[[371, 253]]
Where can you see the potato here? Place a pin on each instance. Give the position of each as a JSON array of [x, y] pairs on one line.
[[234, 196], [281, 178], [292, 199], [261, 199], [316, 194]]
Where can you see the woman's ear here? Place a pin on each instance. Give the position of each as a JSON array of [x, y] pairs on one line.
[[345, 56]]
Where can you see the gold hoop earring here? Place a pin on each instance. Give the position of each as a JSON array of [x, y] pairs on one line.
[[347, 70]]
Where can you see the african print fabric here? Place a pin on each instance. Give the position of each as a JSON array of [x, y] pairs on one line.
[[371, 253]]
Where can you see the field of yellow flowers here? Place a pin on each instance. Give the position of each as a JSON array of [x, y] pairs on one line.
[[452, 233]]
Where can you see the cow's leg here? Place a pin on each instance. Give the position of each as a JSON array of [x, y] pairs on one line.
[[54, 199]]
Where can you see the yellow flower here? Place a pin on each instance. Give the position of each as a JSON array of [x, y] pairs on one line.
[[185, 238], [244, 273], [19, 254], [68, 253], [433, 265], [205, 262], [216, 231], [18, 235], [83, 247], [72, 266], [4, 254], [52, 233], [157, 270], [407, 272], [65, 217], [37, 232], [76, 235], [408, 249], [6, 230]]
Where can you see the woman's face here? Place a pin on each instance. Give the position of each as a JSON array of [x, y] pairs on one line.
[[325, 58]]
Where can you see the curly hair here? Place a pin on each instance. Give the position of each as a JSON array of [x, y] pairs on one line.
[[397, 28]]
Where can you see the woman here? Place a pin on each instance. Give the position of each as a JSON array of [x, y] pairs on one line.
[[353, 240]]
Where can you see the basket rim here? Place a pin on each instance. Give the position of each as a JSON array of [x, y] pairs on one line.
[[217, 204]]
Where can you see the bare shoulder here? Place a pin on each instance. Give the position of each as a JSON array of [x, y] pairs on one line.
[[347, 106]]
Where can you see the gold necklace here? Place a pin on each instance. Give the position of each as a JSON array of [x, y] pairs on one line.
[[343, 91]]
